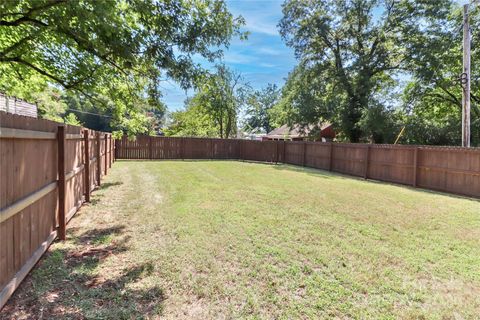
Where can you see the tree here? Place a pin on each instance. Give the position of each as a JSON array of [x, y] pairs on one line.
[[112, 52], [222, 94], [259, 105], [433, 97], [193, 121], [349, 51]]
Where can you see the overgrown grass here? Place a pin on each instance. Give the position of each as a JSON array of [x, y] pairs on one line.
[[211, 239]]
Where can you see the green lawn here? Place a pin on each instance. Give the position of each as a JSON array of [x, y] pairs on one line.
[[227, 239]]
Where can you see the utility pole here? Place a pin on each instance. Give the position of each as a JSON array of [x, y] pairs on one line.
[[466, 80]]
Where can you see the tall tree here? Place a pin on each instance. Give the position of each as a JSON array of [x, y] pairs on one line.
[[222, 94], [353, 49], [258, 107], [433, 97], [193, 121], [114, 52]]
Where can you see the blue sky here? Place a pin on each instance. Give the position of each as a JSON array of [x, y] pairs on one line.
[[262, 59]]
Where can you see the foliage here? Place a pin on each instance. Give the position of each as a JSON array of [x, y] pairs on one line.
[[259, 106], [193, 121], [222, 94], [350, 52], [112, 52], [72, 119], [433, 97]]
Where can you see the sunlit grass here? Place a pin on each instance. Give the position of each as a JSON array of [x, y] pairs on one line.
[[214, 239]]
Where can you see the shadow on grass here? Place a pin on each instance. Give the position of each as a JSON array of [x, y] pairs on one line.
[[309, 171], [75, 283], [107, 185], [338, 175], [97, 196]]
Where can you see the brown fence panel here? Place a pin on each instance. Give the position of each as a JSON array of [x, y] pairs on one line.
[[197, 148], [349, 158], [454, 170], [225, 149], [317, 155], [391, 163], [26, 166], [29, 190], [74, 170], [294, 152], [265, 151]]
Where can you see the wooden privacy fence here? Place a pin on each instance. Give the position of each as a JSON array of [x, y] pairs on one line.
[[449, 169], [47, 170]]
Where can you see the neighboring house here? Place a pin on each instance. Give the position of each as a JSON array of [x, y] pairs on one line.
[[297, 133], [17, 106]]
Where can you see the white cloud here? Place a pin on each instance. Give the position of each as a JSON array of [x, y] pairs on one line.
[[267, 65], [237, 58], [268, 51], [267, 28]]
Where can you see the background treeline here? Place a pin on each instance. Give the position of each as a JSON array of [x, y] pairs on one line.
[[370, 67]]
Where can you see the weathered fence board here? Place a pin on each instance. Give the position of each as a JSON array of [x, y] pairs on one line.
[[449, 169], [29, 189]]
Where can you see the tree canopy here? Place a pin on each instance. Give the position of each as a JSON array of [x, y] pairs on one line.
[[352, 55], [259, 108], [213, 110], [112, 52]]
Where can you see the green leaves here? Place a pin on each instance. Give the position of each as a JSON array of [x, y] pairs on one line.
[[113, 52], [213, 110], [259, 106], [351, 53]]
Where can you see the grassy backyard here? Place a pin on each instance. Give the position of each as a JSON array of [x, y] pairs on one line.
[[226, 239]]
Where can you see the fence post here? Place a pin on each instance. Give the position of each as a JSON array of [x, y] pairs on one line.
[[367, 159], [330, 165], [99, 160], [415, 166], [61, 182], [106, 154], [86, 139]]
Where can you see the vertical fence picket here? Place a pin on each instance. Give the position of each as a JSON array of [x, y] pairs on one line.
[[415, 166], [330, 162]]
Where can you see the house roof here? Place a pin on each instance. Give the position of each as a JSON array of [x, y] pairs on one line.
[[296, 131]]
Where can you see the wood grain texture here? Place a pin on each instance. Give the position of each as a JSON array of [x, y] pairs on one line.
[[29, 195]]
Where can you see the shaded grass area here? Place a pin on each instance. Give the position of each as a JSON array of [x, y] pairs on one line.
[[226, 239]]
